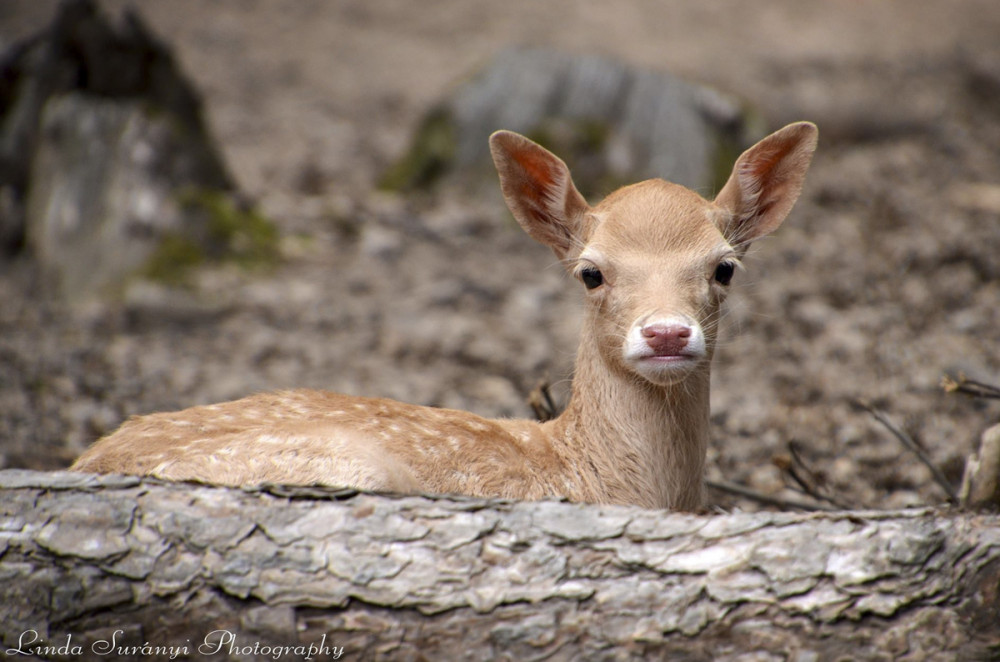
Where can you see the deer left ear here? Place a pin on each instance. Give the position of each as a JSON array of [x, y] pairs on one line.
[[539, 191], [766, 182]]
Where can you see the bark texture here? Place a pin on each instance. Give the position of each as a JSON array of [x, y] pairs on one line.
[[158, 569]]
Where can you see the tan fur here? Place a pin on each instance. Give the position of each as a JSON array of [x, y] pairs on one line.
[[635, 430]]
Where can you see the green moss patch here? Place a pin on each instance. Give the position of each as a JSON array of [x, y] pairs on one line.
[[430, 157], [219, 230]]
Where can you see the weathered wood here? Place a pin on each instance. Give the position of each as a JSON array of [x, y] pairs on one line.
[[88, 560]]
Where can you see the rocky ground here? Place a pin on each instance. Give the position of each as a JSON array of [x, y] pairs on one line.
[[885, 278]]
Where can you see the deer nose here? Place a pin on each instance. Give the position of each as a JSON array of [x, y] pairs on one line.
[[666, 339]]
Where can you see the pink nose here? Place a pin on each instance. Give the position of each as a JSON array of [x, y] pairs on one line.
[[666, 339]]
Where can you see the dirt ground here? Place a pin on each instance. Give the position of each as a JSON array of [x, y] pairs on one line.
[[885, 277]]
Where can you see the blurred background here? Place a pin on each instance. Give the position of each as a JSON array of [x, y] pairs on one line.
[[290, 193]]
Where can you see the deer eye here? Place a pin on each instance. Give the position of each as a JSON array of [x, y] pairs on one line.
[[724, 272], [591, 277]]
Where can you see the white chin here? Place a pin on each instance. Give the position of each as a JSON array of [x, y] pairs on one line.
[[665, 370]]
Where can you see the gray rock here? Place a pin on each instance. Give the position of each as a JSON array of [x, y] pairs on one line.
[[611, 123], [106, 167], [104, 189]]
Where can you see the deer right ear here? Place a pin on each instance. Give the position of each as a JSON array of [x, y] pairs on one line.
[[539, 191], [766, 182]]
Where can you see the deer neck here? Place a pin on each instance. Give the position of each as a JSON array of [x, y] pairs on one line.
[[643, 443]]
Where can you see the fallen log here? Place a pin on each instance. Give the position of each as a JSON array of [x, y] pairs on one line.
[[109, 566]]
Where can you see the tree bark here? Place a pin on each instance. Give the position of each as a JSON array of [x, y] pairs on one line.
[[117, 567]]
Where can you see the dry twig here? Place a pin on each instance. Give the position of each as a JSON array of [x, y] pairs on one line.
[[795, 467], [913, 447], [541, 402], [743, 491], [970, 387]]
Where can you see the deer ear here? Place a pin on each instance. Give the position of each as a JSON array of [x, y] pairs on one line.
[[766, 182], [539, 191]]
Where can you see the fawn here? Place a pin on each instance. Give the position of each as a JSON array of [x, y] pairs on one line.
[[656, 261]]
